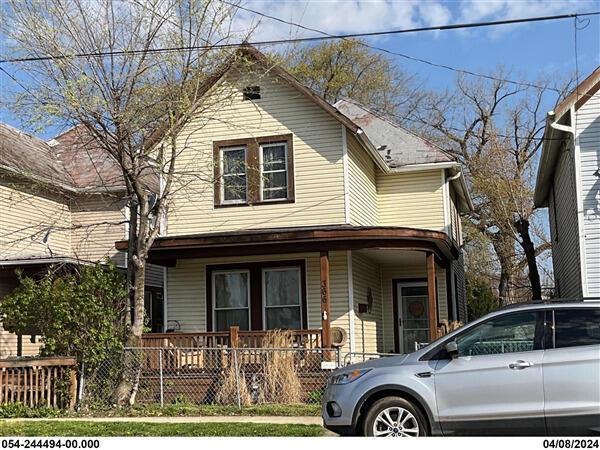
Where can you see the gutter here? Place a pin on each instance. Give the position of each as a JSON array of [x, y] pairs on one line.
[[362, 137]]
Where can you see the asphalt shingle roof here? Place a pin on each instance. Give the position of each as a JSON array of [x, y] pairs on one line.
[[398, 146]]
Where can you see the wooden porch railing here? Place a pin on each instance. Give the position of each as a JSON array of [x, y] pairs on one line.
[[310, 338], [39, 382]]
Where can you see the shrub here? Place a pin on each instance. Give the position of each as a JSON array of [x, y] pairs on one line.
[[78, 311]]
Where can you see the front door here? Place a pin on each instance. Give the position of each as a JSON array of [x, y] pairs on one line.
[[413, 315], [495, 385]]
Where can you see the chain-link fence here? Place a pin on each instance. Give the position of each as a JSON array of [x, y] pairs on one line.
[[359, 357], [225, 376]]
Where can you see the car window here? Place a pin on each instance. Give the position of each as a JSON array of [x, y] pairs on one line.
[[508, 333], [575, 327]]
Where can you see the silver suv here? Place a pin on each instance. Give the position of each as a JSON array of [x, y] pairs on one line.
[[528, 370]]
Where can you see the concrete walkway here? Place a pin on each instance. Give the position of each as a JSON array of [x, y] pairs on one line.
[[297, 420]]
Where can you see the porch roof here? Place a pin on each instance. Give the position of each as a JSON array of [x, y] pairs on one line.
[[167, 249]]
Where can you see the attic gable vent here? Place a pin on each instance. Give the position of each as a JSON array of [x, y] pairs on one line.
[[252, 93]]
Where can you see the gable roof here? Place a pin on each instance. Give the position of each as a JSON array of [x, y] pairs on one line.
[[26, 155], [580, 94], [396, 145], [71, 162], [554, 137], [88, 165]]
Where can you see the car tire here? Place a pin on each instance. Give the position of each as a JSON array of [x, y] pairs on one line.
[[402, 418]]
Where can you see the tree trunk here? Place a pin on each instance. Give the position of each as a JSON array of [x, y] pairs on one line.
[[522, 227], [126, 389], [502, 249]]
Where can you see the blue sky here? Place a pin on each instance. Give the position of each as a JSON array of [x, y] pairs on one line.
[[528, 50]]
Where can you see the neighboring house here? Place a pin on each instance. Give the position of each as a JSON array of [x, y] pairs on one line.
[[61, 202], [320, 217], [568, 183]]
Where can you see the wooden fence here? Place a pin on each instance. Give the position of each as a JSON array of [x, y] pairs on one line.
[[50, 382]]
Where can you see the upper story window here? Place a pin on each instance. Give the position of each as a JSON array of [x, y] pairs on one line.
[[233, 167], [254, 171], [273, 177]]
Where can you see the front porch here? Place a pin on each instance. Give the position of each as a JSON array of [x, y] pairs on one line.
[[384, 293]]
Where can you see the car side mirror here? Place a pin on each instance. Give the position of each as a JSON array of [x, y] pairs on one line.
[[452, 349]]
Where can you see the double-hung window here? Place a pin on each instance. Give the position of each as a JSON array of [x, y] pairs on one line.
[[233, 167], [282, 293], [251, 171], [274, 173], [231, 299]]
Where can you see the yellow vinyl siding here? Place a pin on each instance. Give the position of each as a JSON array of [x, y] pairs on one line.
[[186, 283], [318, 162], [411, 199], [363, 185], [9, 344], [368, 327], [97, 223], [390, 273], [25, 219]]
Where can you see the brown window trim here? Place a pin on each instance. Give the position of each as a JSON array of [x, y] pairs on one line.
[[252, 145], [256, 298]]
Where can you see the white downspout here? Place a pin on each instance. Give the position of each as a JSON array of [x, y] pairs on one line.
[[346, 167]]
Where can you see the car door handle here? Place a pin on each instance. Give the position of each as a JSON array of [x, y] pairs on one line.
[[520, 365]]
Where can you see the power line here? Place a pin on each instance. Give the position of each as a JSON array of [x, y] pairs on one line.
[[326, 36], [421, 60], [25, 88]]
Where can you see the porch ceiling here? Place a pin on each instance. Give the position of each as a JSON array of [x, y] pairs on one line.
[[166, 250], [388, 256]]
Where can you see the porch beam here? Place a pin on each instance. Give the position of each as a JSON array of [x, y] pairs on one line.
[[432, 296], [325, 300]]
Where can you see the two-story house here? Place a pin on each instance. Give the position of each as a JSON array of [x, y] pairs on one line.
[[61, 202], [568, 184], [326, 219]]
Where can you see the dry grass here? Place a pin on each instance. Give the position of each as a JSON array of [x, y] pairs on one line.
[[281, 383], [227, 394], [448, 326]]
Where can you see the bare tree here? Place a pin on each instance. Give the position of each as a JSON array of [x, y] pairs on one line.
[[110, 73], [495, 128]]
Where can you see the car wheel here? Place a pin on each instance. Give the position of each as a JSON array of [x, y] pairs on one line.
[[394, 417]]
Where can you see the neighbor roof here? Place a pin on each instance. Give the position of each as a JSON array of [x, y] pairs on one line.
[[553, 138], [88, 165], [397, 146], [71, 161], [28, 156]]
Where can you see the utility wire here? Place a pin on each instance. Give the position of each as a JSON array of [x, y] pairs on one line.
[[295, 40], [443, 27]]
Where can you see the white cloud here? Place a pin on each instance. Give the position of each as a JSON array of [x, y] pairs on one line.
[[339, 16], [346, 16]]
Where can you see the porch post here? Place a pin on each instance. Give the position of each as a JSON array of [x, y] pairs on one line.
[[432, 296], [325, 301]]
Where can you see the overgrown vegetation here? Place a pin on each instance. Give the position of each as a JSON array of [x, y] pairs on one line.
[[481, 299], [71, 428], [12, 410], [18, 410], [233, 388], [281, 383], [79, 311]]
